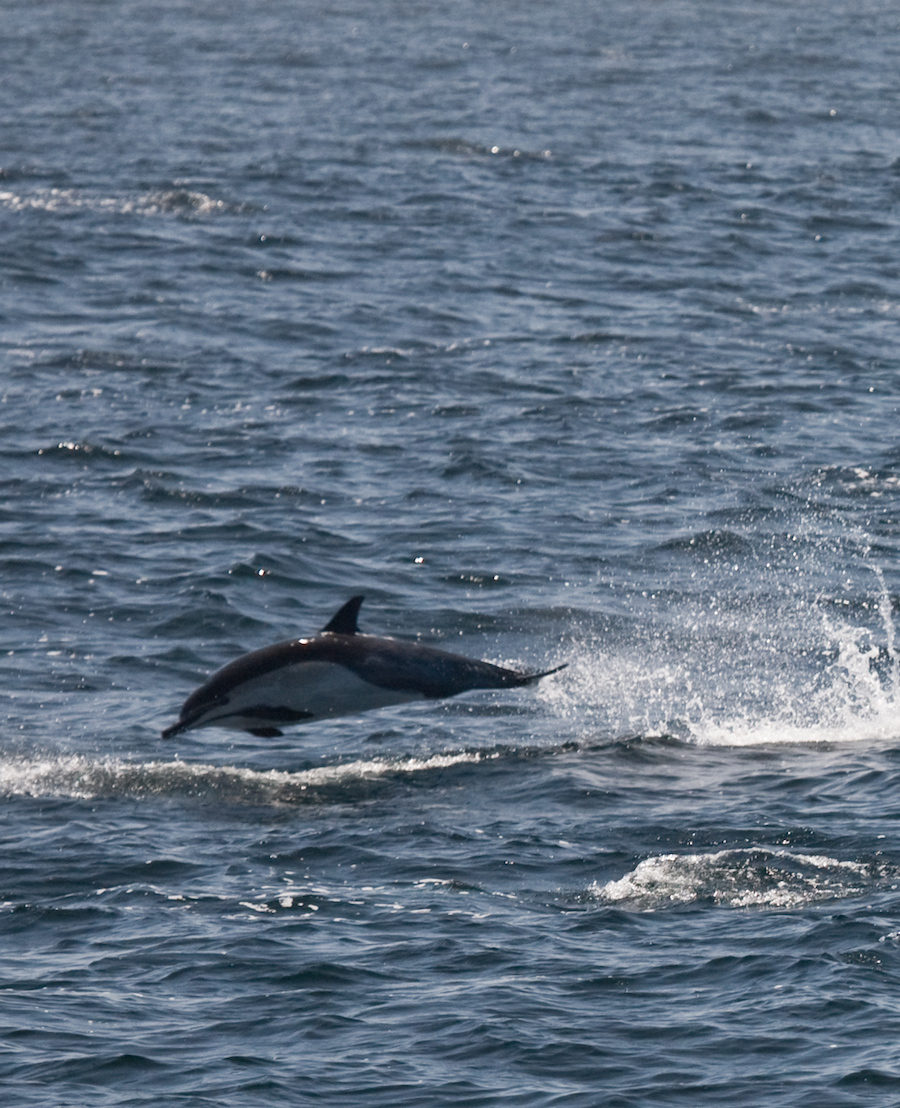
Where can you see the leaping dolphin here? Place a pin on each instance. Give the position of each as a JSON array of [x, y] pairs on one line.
[[335, 673]]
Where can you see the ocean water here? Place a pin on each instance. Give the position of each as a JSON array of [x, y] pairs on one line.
[[565, 333]]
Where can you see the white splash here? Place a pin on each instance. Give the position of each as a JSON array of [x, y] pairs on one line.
[[792, 672]]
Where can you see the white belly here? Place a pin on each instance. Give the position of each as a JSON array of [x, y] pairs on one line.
[[321, 689]]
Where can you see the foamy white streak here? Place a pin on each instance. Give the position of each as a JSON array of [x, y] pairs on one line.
[[85, 778], [771, 732]]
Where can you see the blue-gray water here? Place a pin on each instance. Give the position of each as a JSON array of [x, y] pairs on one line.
[[564, 332]]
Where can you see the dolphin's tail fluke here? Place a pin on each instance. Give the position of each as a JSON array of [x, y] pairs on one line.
[[530, 678]]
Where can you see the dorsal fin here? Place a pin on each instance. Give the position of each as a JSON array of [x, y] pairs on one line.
[[344, 621]]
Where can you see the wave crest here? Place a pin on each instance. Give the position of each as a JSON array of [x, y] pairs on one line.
[[757, 878]]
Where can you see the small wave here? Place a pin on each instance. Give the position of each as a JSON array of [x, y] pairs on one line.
[[86, 779], [79, 451], [854, 482], [161, 202], [739, 879], [718, 542], [465, 148]]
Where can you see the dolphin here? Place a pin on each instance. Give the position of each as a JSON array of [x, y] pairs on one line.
[[335, 673]]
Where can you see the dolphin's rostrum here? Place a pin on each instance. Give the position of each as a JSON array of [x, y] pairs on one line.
[[335, 673]]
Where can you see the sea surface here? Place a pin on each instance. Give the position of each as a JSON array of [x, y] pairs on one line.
[[565, 333]]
